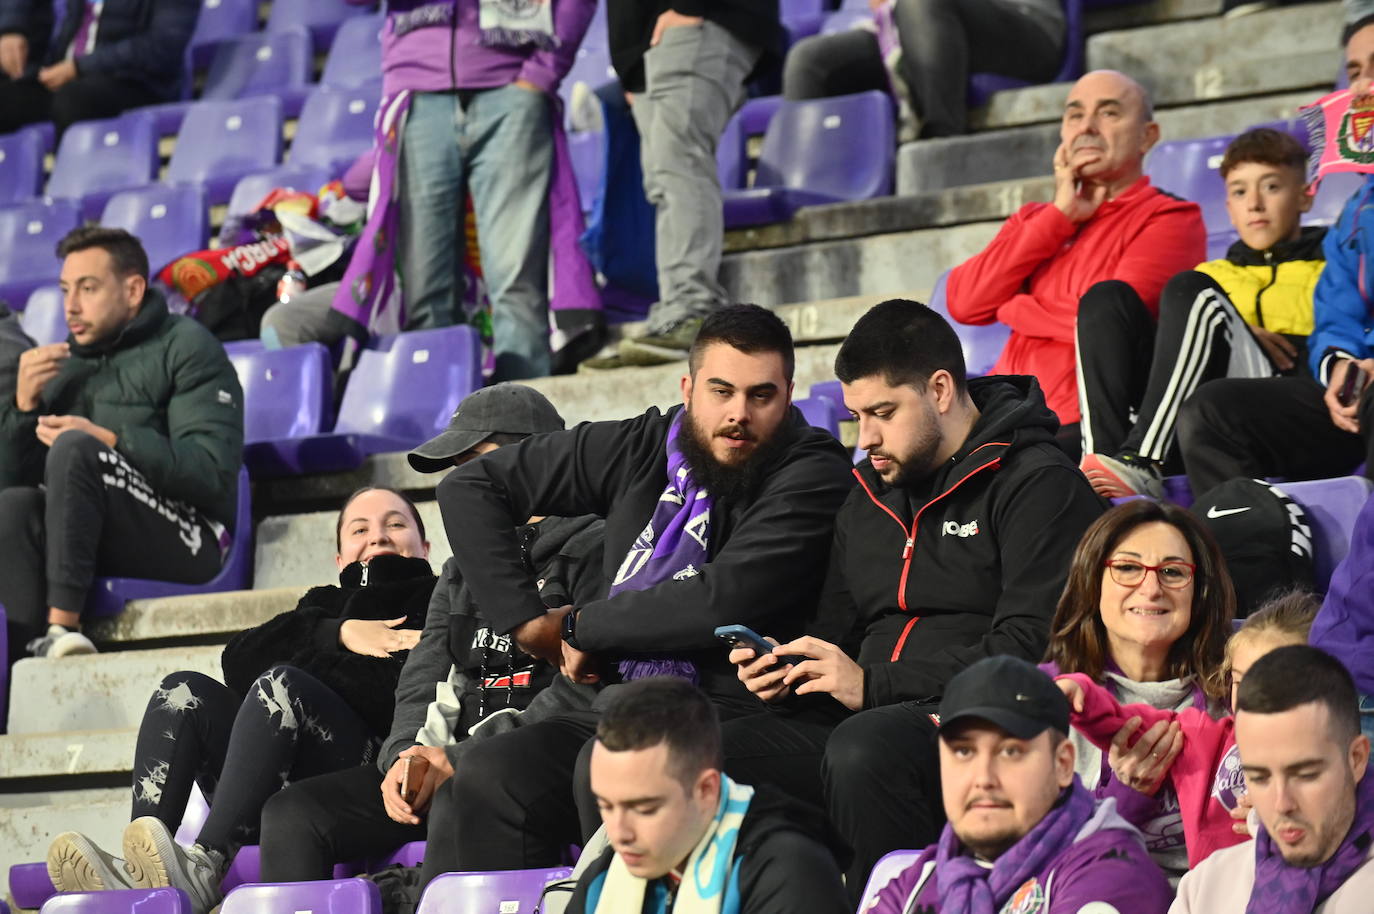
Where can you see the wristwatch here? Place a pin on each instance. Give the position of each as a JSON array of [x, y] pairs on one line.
[[570, 630]]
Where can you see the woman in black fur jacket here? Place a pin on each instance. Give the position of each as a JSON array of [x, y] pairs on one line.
[[308, 692]]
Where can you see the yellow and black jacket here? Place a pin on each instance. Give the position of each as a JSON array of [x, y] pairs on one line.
[[1273, 289]]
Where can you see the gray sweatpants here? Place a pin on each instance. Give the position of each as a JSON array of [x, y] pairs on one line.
[[694, 82]]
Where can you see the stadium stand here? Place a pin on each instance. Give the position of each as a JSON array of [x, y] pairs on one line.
[[68, 761], [169, 219], [43, 318], [97, 158]]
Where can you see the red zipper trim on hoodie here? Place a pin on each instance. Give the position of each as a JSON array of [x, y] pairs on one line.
[[910, 545]]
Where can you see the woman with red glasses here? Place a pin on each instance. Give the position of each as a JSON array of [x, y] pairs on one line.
[[1145, 612]]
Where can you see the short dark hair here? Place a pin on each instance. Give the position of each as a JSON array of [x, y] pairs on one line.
[[339, 521], [126, 252], [1348, 32], [664, 709], [904, 342], [749, 329], [1266, 146], [1299, 674]]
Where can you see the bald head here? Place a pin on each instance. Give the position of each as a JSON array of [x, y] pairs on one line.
[[1108, 127]]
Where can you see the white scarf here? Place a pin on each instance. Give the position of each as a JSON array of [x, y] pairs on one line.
[[512, 23], [705, 879]]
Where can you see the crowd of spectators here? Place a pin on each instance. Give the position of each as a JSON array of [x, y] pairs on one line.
[[563, 681]]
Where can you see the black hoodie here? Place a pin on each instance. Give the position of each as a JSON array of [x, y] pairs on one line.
[[966, 563]]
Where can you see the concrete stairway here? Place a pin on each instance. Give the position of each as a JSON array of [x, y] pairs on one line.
[[66, 762]]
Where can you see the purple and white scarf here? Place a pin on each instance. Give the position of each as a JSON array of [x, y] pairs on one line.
[[970, 888], [1283, 889], [672, 547]]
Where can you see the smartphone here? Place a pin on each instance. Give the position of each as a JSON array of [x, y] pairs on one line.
[[744, 636], [1352, 386], [413, 769]]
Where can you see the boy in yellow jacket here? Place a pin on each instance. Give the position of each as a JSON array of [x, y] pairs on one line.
[[1247, 315]]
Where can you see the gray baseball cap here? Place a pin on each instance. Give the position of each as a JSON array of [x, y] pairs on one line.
[[511, 408]]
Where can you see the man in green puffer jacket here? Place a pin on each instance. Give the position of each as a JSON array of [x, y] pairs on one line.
[[134, 429]]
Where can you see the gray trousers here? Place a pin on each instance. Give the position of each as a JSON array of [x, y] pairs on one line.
[[694, 82]]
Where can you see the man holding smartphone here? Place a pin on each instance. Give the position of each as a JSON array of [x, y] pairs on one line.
[[1297, 427]]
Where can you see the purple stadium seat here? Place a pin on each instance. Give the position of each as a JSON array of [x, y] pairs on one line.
[[170, 220], [832, 390], [883, 872], [246, 869], [108, 596], [1188, 169], [287, 394], [1177, 490], [98, 158], [809, 157], [236, 348], [981, 86], [250, 189], [982, 343], [29, 233], [262, 63], [401, 392], [410, 854], [218, 20], [335, 127], [1218, 243], [732, 152], [222, 141], [45, 316], [820, 412], [484, 893], [321, 18], [30, 885], [842, 20], [355, 57], [120, 901], [341, 896], [802, 18], [1332, 194], [21, 165], [1332, 506]]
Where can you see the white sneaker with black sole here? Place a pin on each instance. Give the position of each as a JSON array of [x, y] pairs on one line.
[[60, 642], [77, 864], [154, 860]]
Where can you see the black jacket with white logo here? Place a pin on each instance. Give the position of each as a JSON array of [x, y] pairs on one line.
[[964, 564]]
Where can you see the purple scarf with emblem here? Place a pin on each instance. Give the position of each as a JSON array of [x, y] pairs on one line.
[[1283, 889], [969, 888], [672, 547]]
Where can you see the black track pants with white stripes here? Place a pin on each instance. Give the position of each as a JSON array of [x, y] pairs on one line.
[[96, 514], [1128, 365]]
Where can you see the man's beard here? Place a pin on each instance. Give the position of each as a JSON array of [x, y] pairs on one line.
[[919, 462], [726, 482]]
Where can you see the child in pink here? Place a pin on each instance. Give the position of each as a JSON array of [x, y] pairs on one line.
[[1207, 776]]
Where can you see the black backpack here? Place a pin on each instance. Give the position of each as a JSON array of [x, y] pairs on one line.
[[1264, 535]]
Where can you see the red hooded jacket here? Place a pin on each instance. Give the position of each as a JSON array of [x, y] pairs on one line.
[[1031, 276]]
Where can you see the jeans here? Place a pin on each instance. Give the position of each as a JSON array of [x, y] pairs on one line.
[[694, 81], [500, 145]]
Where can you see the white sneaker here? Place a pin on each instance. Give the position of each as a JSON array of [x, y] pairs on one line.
[[76, 864], [154, 859], [60, 642], [584, 110]]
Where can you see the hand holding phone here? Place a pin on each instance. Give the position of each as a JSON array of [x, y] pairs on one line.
[[413, 770], [1352, 385], [744, 636]]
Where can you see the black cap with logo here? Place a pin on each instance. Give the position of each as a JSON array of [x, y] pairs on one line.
[[1008, 692], [511, 408]]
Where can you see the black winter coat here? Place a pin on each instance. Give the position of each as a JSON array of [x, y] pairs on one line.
[[307, 637]]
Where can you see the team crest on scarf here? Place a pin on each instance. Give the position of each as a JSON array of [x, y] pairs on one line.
[[1356, 137], [1028, 899]]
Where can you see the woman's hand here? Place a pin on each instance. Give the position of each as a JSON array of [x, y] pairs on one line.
[[1242, 814], [1072, 691], [377, 637], [1144, 766]]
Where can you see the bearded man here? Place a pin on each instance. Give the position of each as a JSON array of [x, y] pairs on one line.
[[953, 547], [718, 512]]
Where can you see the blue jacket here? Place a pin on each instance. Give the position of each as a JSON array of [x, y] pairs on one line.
[[142, 41], [1344, 626], [1343, 305]]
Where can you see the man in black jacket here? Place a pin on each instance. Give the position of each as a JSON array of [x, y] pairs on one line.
[[682, 834], [953, 547], [134, 428], [683, 64], [460, 674], [105, 58], [737, 532]]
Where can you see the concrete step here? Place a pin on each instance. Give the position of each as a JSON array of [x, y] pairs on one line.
[[1134, 15], [29, 822], [928, 166], [96, 692], [1186, 63], [71, 753], [296, 551], [200, 616]]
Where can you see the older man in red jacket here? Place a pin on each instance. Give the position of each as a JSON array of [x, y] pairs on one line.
[[1108, 233]]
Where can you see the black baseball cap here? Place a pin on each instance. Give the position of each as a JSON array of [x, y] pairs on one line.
[[1008, 692], [510, 408]]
